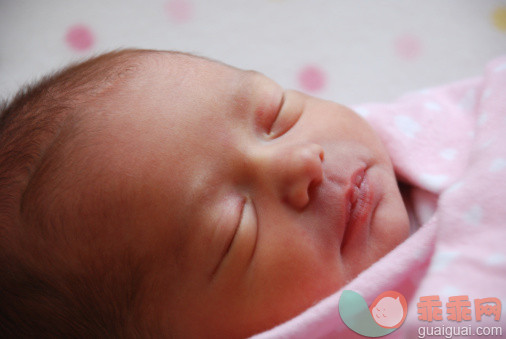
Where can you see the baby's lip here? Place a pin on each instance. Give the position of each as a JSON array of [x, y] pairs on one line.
[[359, 205]]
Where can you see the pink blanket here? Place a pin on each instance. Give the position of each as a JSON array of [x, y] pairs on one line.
[[449, 143]]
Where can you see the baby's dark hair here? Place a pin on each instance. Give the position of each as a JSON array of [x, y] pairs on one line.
[[55, 282]]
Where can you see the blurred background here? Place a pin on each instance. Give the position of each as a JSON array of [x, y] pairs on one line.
[[347, 51]]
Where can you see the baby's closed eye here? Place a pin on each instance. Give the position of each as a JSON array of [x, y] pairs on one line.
[[240, 248], [289, 113]]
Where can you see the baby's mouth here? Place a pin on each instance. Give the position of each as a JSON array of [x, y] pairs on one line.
[[359, 198], [354, 192]]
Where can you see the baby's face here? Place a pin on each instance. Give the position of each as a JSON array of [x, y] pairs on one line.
[[257, 201]]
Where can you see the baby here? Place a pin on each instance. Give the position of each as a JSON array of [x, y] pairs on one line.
[[148, 193]]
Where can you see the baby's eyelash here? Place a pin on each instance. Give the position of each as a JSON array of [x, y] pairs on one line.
[[256, 233], [236, 228], [240, 247], [280, 107], [286, 119], [228, 245]]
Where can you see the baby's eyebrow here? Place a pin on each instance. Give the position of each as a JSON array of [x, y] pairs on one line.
[[242, 94], [248, 87]]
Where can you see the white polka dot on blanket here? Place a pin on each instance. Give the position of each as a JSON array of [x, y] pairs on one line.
[[448, 153], [495, 259], [468, 101], [500, 68], [433, 106], [442, 259], [497, 165], [486, 144], [473, 215], [482, 119], [407, 125]]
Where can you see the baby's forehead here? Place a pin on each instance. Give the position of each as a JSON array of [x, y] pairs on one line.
[[176, 60], [117, 68], [190, 76]]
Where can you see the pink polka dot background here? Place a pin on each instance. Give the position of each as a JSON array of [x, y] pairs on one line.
[[312, 78], [179, 11], [408, 47], [79, 38], [347, 51]]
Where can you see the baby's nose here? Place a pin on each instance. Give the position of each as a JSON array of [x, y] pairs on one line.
[[294, 169]]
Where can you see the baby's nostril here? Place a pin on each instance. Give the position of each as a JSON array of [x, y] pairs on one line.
[[313, 187], [319, 150]]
